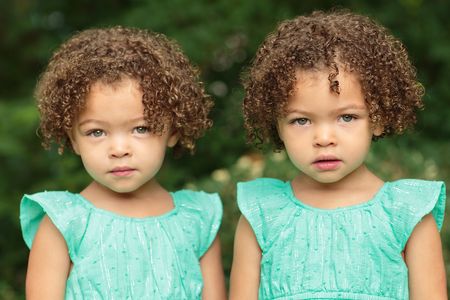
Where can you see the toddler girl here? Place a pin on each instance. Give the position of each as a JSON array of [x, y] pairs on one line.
[[118, 97], [322, 87]]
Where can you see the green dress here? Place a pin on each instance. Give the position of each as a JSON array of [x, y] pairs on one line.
[[118, 257], [351, 252]]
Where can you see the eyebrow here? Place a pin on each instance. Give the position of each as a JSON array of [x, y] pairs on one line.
[[87, 121], [338, 110], [350, 107]]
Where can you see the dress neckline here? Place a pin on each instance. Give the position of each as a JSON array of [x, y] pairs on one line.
[[376, 197], [88, 204]]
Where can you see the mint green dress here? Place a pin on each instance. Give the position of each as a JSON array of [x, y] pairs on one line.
[[118, 257], [351, 252]]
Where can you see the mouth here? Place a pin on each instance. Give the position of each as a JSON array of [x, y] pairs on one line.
[[327, 163], [122, 171]]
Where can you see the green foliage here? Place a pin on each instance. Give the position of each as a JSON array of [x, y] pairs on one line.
[[220, 37]]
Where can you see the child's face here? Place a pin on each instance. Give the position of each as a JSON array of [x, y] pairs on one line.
[[111, 137], [326, 135]]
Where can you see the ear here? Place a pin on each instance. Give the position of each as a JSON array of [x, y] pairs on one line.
[[73, 142], [378, 130], [280, 132], [173, 139]]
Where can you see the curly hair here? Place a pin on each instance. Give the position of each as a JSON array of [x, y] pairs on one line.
[[170, 84], [328, 41]]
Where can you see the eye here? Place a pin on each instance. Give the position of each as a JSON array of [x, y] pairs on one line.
[[141, 129], [301, 121], [347, 118], [95, 133]]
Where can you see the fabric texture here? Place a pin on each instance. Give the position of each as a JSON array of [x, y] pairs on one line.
[[351, 252], [119, 257]]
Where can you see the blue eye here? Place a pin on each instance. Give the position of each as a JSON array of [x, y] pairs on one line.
[[141, 129], [96, 133], [347, 118], [301, 121]]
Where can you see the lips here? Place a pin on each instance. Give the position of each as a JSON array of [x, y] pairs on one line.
[[122, 171], [327, 163]]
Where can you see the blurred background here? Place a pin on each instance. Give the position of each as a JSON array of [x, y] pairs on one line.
[[220, 37]]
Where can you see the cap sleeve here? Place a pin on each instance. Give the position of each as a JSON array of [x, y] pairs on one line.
[[414, 199], [265, 205], [65, 211], [203, 214]]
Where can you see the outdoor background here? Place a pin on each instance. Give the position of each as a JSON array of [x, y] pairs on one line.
[[220, 37]]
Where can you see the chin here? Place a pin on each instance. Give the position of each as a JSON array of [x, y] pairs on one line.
[[122, 190], [329, 180]]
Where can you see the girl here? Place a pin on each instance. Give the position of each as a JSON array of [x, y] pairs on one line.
[[118, 98], [322, 87]]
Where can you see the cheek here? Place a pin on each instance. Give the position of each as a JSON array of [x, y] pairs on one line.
[[91, 158], [151, 152], [297, 138], [90, 161], [297, 152], [360, 146]]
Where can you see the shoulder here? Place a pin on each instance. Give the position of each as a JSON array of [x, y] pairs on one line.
[[258, 183], [50, 202], [419, 197], [49, 196], [255, 190], [197, 201], [266, 205], [408, 201], [413, 187], [201, 212], [266, 193], [66, 211]]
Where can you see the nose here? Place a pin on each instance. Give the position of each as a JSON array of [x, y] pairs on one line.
[[324, 136], [119, 147]]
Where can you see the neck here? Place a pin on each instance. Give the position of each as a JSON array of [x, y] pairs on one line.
[[149, 200], [355, 188], [361, 178], [96, 190]]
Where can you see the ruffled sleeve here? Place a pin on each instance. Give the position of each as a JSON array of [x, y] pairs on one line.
[[64, 210], [266, 206], [413, 199], [202, 216]]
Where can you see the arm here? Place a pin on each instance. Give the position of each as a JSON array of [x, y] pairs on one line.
[[244, 281], [423, 256], [212, 272], [48, 264]]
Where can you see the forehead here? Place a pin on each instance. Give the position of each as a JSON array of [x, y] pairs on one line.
[[313, 87], [123, 84], [120, 98], [323, 76]]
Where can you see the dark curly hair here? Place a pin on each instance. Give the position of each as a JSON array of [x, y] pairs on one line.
[[170, 84], [327, 41]]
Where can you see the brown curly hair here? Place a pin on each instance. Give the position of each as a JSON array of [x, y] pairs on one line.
[[170, 84], [327, 41]]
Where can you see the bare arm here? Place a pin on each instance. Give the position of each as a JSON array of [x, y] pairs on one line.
[[212, 271], [423, 256], [246, 263], [48, 264]]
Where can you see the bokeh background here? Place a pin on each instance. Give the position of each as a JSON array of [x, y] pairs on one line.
[[220, 37]]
